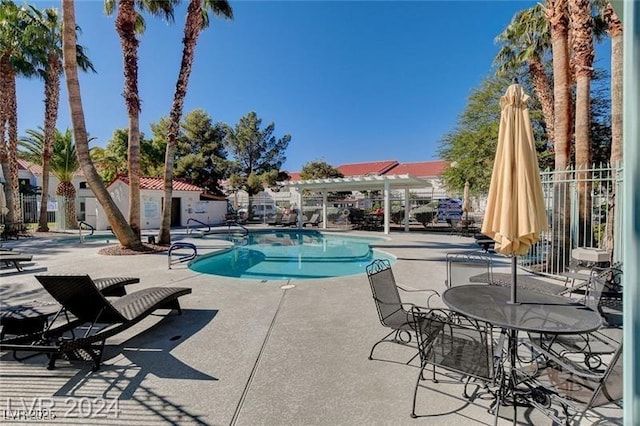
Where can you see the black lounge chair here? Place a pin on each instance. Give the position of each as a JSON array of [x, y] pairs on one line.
[[314, 221], [33, 317], [9, 258], [84, 304]]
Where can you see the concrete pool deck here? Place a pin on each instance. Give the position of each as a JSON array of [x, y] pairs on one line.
[[245, 352]]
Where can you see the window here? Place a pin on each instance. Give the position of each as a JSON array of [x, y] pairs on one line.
[[83, 185]]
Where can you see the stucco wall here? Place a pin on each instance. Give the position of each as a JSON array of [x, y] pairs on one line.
[[209, 212]]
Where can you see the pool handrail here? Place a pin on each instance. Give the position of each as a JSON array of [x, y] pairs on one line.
[[197, 221], [185, 257], [82, 223]]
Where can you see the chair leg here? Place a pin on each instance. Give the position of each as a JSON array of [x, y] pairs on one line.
[[415, 392], [384, 339]]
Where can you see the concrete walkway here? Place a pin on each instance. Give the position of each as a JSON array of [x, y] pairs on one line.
[[244, 352]]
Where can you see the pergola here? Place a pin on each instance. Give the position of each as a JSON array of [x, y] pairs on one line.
[[385, 183]]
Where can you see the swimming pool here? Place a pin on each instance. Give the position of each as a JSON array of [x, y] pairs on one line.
[[291, 254]]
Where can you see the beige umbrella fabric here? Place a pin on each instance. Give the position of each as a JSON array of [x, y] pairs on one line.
[[515, 214]]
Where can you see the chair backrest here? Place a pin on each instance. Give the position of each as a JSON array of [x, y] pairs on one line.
[[79, 295], [602, 281], [314, 218], [384, 289], [454, 342], [468, 268]]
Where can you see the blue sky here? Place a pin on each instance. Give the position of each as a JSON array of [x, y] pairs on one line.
[[350, 81]]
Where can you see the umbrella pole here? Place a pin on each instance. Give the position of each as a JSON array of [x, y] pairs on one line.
[[514, 279]]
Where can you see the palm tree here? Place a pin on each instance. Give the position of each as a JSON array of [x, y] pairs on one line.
[[581, 27], [119, 225], [614, 29], [197, 19], [128, 23], [524, 43], [556, 12], [16, 54], [48, 37], [63, 161]]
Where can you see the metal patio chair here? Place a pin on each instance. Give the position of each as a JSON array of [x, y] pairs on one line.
[[456, 347], [468, 268], [574, 387], [603, 285], [393, 313]]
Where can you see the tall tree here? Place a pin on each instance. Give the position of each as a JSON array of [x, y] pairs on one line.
[[16, 59], [525, 42], [197, 19], [201, 155], [470, 148], [255, 151], [556, 11], [319, 169], [614, 29], [581, 36], [128, 23], [47, 33], [126, 236]]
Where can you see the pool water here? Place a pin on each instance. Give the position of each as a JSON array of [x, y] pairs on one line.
[[291, 254]]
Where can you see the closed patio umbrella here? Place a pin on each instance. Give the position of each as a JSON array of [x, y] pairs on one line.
[[3, 201], [515, 214], [466, 205]]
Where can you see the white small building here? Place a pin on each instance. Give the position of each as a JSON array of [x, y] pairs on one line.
[[187, 202]]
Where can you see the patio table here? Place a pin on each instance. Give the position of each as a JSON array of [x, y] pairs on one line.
[[535, 312]]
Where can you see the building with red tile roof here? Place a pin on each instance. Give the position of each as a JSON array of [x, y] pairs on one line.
[[374, 168], [158, 183], [421, 169]]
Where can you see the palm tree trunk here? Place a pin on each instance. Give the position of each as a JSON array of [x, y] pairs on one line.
[[191, 32], [557, 14], [583, 53], [615, 32], [13, 199], [544, 93], [125, 25], [121, 229], [5, 81], [51, 103]]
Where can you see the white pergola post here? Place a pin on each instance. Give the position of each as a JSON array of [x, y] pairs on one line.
[[300, 209], [406, 210], [324, 209], [387, 213]]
